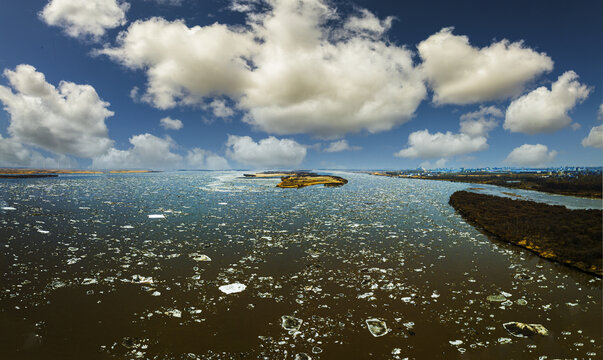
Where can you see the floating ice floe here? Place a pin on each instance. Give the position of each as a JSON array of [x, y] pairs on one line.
[[198, 257], [156, 216], [521, 302], [496, 298], [138, 279], [127, 227], [174, 313], [232, 288], [9, 208], [291, 323], [43, 231], [377, 327], [222, 203], [455, 342], [302, 356], [504, 340], [519, 329], [89, 281]]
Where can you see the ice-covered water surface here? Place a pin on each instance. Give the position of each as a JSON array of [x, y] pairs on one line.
[[206, 265]]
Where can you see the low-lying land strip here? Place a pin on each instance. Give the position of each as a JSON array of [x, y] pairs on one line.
[[9, 173], [582, 185], [299, 181], [571, 237]]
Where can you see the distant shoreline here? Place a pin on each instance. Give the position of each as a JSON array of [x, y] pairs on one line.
[[8, 173], [587, 186]]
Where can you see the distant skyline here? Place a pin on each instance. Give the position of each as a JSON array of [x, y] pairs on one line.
[[183, 84]]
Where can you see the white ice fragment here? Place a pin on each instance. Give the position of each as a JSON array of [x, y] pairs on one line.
[[232, 288], [197, 257], [222, 203], [156, 293], [504, 340], [174, 312], [156, 216], [138, 279], [84, 208], [9, 208], [435, 295], [455, 342], [376, 327], [89, 281], [505, 294], [43, 231], [127, 227]]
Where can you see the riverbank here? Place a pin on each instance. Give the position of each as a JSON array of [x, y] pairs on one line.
[[571, 237], [583, 185]]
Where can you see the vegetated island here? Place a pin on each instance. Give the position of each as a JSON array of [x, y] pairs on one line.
[[10, 173], [571, 237], [588, 185], [300, 178]]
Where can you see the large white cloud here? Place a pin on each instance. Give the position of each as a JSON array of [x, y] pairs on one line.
[[147, 152], [544, 110], [594, 138], [85, 18], [460, 73], [69, 119], [287, 69], [205, 160], [267, 153], [422, 144], [473, 136], [537, 155]]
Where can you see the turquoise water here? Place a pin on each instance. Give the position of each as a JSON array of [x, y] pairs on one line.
[[86, 273]]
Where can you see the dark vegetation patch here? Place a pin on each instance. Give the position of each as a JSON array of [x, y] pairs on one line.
[[571, 237]]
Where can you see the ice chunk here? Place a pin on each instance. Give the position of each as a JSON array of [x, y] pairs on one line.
[[496, 298], [9, 208], [197, 257], [377, 327], [174, 313], [232, 288], [156, 216], [127, 227], [43, 231], [455, 342], [302, 356], [504, 340], [519, 329], [291, 323], [89, 281], [138, 279]]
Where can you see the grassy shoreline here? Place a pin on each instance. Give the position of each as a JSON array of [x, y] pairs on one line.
[[570, 237]]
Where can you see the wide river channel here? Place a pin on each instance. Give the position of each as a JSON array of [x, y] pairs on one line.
[[134, 267]]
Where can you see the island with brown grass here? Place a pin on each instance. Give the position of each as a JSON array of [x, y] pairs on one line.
[[570, 237], [300, 181]]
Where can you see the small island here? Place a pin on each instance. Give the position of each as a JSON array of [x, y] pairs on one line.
[[571, 237], [300, 181]]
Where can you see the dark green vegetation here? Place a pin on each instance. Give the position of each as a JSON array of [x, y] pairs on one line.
[[571, 237], [583, 185]]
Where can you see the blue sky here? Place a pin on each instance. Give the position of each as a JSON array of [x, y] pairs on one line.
[[300, 84]]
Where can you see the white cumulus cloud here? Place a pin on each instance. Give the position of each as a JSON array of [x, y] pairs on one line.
[[147, 152], [543, 110], [290, 70], [460, 73], [69, 119], [531, 155], [171, 124], [341, 145], [205, 160], [594, 138], [266, 153], [473, 136], [85, 18], [481, 122], [422, 144]]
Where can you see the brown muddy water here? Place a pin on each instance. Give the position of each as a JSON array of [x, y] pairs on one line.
[[86, 273]]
